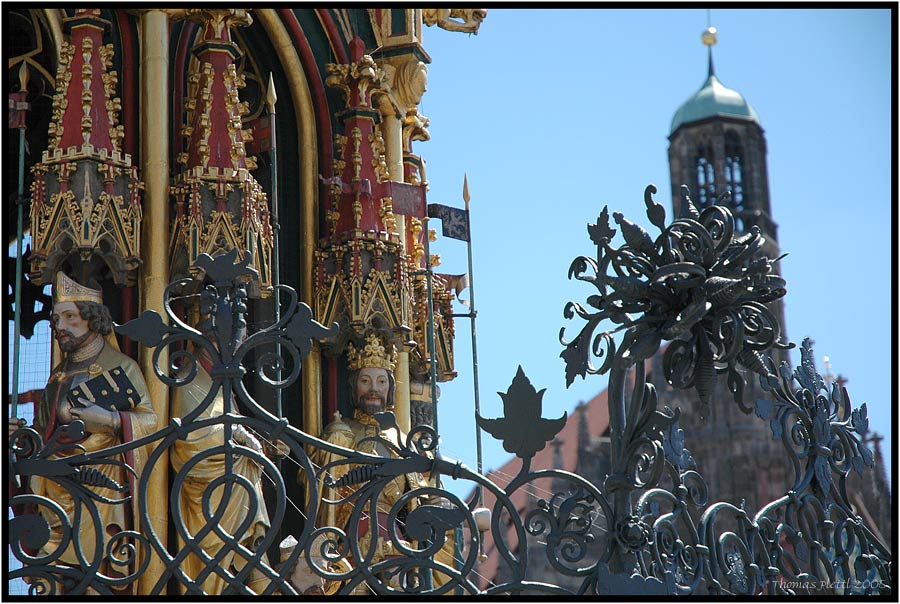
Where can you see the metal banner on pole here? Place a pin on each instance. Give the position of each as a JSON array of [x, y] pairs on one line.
[[456, 224], [472, 314]]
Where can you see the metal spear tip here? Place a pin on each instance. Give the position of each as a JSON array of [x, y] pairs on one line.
[[23, 76], [271, 97], [466, 189]]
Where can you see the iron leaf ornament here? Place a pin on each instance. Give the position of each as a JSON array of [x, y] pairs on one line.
[[148, 329], [817, 424], [227, 268], [219, 288], [522, 429], [696, 285], [302, 329]]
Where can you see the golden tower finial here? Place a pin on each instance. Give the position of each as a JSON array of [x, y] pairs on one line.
[[373, 354], [709, 37]]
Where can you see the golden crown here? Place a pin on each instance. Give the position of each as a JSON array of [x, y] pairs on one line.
[[68, 290], [373, 355]]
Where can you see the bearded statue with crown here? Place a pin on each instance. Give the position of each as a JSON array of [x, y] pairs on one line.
[[372, 391], [104, 389]]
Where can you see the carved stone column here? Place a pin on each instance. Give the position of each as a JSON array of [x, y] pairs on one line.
[[405, 84], [154, 86]]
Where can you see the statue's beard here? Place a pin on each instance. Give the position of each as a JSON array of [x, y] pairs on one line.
[[68, 342], [371, 403]]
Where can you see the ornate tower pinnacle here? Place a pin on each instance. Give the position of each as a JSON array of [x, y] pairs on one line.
[[86, 204], [360, 272], [215, 138], [219, 206]]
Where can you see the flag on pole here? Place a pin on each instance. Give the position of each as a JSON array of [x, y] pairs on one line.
[[407, 199], [454, 221], [456, 283]]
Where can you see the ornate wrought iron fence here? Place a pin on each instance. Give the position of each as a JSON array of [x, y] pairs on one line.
[[648, 529]]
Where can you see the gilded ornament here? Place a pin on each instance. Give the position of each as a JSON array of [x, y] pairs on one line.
[[387, 215], [356, 157], [357, 213], [465, 20], [415, 128], [418, 248], [409, 83], [379, 161], [364, 75]]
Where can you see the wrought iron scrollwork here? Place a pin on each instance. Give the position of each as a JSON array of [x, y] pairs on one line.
[[648, 529], [704, 289]]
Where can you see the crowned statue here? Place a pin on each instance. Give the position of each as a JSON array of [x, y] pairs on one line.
[[372, 391]]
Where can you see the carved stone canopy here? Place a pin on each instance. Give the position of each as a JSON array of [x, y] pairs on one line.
[[219, 205], [86, 203]]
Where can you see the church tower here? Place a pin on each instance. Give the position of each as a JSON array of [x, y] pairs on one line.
[[717, 146]]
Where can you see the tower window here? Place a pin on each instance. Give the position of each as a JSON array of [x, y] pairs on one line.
[[706, 178], [734, 166]]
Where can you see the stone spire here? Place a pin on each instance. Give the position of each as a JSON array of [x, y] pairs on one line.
[[219, 205], [86, 201], [717, 156]]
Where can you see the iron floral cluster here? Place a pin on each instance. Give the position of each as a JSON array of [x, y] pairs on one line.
[[698, 285]]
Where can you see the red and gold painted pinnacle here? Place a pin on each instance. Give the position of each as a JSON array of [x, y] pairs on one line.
[[360, 200], [361, 275], [86, 201], [219, 205], [369, 277]]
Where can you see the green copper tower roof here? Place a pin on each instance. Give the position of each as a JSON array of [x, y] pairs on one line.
[[714, 98]]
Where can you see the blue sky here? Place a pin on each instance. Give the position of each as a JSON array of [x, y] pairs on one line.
[[555, 113]]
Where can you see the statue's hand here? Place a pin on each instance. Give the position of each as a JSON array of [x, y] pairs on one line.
[[277, 449], [96, 418], [242, 436]]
